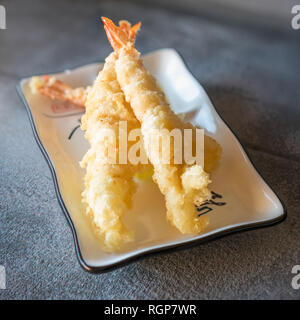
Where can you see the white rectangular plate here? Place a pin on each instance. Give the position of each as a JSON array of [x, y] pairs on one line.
[[243, 201]]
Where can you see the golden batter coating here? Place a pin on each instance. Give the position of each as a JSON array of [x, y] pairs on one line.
[[109, 187]]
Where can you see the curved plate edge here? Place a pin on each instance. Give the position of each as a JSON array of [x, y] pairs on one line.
[[95, 270]]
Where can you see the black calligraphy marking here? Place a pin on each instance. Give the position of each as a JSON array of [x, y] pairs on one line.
[[215, 195], [204, 207], [213, 202], [74, 130]]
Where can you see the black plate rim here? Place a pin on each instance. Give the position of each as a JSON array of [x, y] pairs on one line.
[[192, 242]]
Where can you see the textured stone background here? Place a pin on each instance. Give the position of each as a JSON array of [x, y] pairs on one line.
[[251, 73]]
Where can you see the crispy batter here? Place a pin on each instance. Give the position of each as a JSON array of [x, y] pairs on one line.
[[108, 187]]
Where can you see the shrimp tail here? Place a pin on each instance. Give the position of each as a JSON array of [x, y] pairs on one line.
[[122, 36], [183, 185], [58, 90]]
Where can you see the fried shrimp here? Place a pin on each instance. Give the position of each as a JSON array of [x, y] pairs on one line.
[[109, 187], [182, 185]]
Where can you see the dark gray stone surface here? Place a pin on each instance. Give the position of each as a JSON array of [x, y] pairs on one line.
[[252, 76]]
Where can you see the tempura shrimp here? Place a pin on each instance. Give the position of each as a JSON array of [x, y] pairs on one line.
[[182, 185], [108, 187]]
